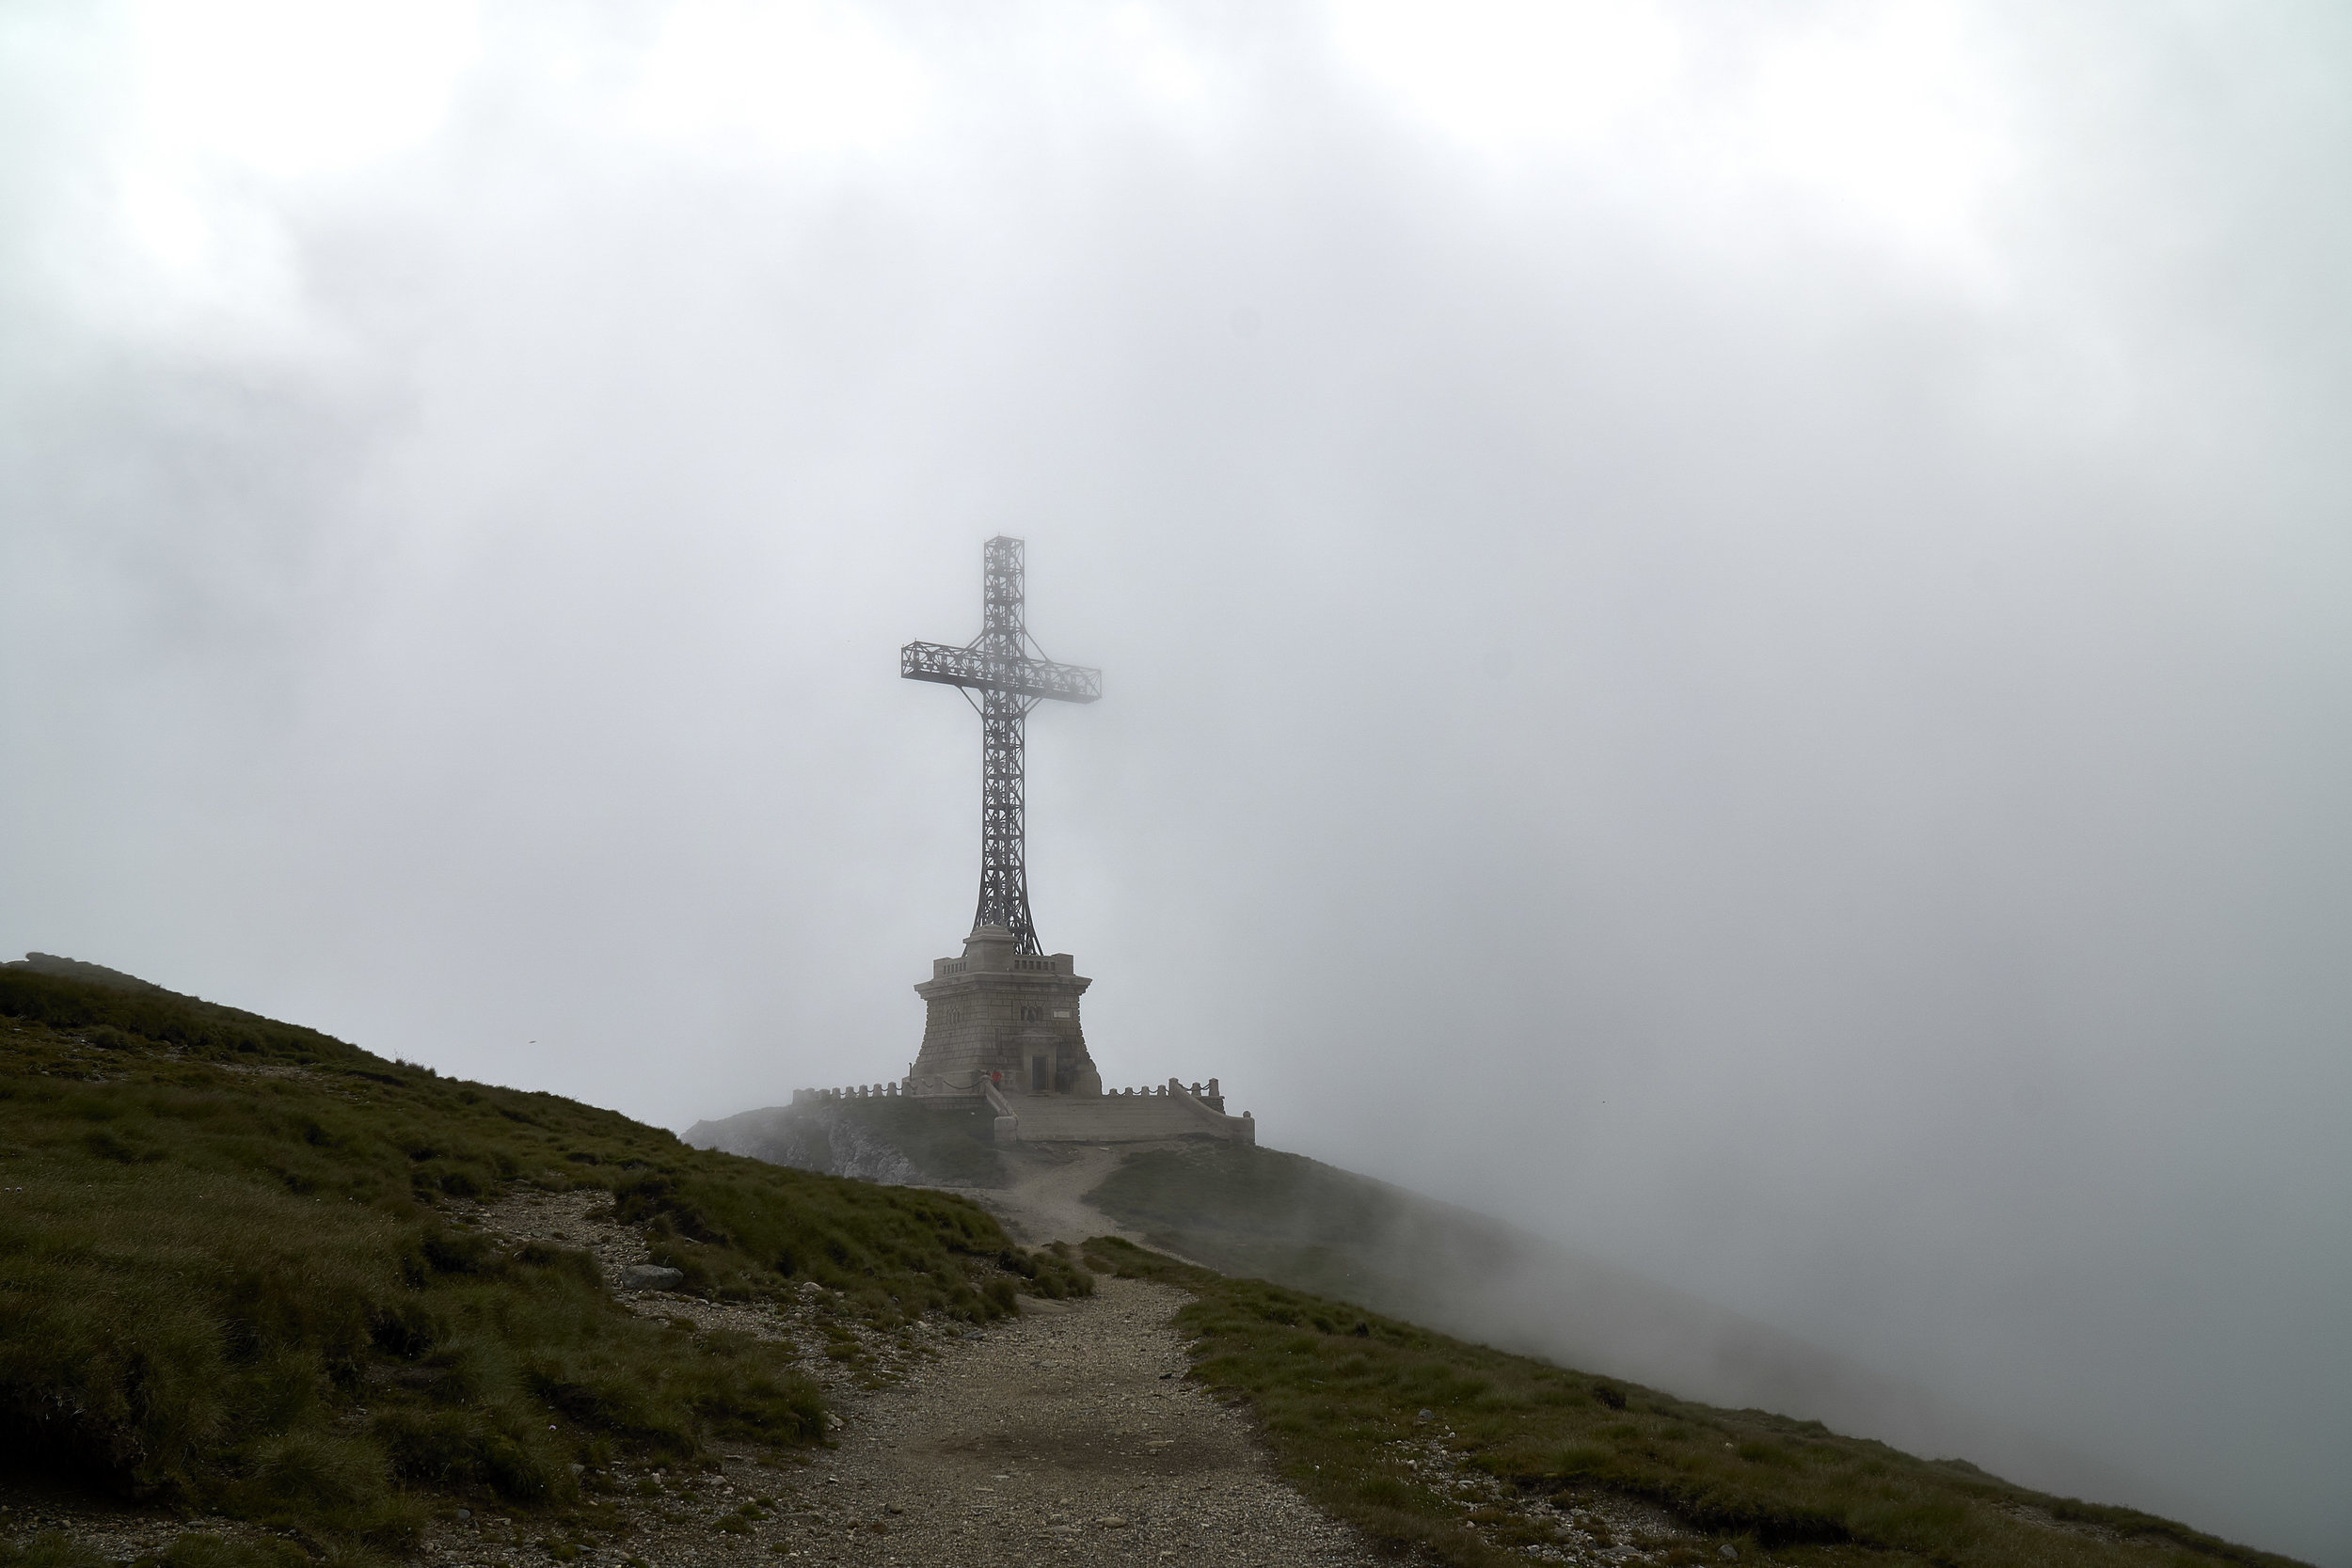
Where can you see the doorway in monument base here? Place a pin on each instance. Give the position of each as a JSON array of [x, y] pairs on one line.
[[1041, 1073]]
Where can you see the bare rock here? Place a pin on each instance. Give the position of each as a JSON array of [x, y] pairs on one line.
[[649, 1276]]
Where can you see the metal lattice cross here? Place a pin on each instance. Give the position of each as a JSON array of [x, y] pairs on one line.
[[998, 665]]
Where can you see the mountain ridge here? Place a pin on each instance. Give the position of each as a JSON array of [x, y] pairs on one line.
[[257, 1275]]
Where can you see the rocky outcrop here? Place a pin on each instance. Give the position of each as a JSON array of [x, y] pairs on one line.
[[830, 1138], [649, 1276]]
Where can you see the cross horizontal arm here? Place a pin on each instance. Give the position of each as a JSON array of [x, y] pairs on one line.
[[984, 672]]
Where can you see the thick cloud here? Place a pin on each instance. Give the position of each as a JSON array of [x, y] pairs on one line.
[[1724, 630]]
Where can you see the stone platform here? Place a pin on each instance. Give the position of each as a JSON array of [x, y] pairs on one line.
[[1170, 1111]]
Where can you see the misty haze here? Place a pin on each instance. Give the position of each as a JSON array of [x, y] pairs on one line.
[[1726, 633]]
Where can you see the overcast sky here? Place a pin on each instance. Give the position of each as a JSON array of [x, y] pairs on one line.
[[1726, 626]]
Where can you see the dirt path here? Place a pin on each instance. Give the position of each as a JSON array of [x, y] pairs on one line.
[[1046, 1201], [1068, 1436]]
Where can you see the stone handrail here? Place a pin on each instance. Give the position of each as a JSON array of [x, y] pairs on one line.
[[1243, 1127], [1007, 1127]]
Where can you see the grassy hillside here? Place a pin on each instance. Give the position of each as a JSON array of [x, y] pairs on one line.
[[1248, 1210], [240, 1269], [1259, 1211], [1458, 1450], [244, 1267], [1278, 1217]]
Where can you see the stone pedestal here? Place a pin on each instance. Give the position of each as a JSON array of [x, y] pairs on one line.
[[996, 1016]]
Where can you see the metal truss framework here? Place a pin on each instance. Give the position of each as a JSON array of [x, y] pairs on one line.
[[998, 665]]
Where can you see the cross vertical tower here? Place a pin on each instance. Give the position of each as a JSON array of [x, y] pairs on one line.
[[1004, 744], [998, 664]]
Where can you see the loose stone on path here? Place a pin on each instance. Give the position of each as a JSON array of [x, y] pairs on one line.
[[1058, 1438]]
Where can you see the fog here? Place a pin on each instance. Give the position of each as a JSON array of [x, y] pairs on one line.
[[1726, 629]]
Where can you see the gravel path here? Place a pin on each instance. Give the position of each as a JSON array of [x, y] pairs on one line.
[[1068, 1436], [1044, 1201]]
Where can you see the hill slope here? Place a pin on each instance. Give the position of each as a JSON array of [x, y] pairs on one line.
[[1260, 1213], [250, 1269], [243, 1268], [1253, 1210], [1314, 1226], [1479, 1457]]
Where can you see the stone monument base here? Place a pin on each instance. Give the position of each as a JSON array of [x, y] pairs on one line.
[[1001, 1031]]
